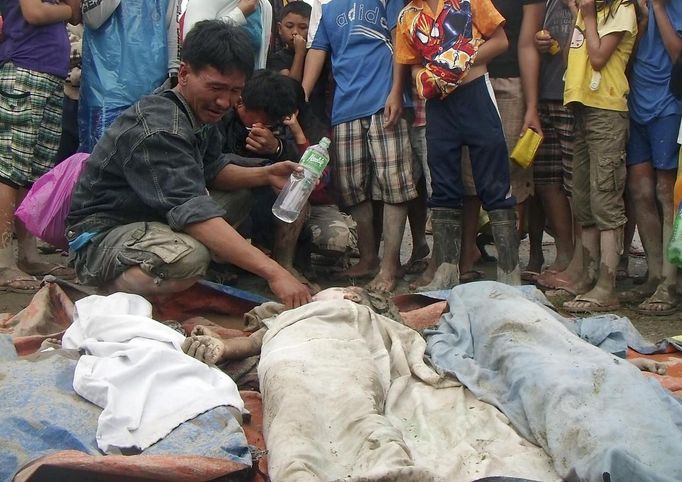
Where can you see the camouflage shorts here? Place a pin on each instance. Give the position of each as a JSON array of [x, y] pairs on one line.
[[332, 230]]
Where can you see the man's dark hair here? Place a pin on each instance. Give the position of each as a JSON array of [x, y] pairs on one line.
[[214, 43], [298, 7], [270, 92]]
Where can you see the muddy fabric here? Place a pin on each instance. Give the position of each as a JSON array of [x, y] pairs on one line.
[[134, 368], [41, 415], [594, 413], [347, 395]]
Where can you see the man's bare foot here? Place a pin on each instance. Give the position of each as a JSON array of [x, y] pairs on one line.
[[14, 280], [41, 268], [382, 282], [425, 278], [446, 277]]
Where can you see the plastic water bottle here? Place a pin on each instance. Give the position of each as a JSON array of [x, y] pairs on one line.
[[675, 244], [296, 192]]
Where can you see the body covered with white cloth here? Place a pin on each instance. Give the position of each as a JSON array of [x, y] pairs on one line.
[[134, 368]]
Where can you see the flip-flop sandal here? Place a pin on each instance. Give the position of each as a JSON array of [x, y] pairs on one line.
[[10, 286], [470, 276], [551, 293], [529, 276], [671, 308], [583, 304], [58, 271]]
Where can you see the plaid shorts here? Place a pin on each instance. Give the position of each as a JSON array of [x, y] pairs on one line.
[[372, 162], [554, 160], [30, 123]]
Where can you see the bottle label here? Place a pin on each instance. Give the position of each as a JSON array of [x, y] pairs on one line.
[[314, 161]]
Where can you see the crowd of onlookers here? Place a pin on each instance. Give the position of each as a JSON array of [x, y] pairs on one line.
[[424, 101]]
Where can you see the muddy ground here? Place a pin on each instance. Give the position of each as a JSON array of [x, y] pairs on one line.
[[653, 328]]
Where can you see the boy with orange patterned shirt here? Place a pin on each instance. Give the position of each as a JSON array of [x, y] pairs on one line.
[[448, 43]]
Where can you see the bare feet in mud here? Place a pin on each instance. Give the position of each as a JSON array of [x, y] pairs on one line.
[[445, 277], [383, 282]]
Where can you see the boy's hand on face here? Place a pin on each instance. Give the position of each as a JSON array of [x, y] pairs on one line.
[[262, 141], [299, 43]]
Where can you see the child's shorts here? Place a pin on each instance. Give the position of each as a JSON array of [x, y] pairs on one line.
[[554, 160], [599, 166], [655, 142], [372, 162], [30, 123]]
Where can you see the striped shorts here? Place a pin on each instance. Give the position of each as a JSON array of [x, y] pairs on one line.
[[372, 162], [554, 160], [30, 123]]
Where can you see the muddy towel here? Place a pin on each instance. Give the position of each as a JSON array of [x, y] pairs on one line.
[[595, 414], [347, 395], [134, 368]]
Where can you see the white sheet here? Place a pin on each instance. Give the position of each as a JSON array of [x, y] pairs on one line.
[[346, 394], [135, 370]]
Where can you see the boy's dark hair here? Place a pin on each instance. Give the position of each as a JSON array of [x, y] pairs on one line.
[[298, 7], [270, 92], [313, 128], [214, 43]]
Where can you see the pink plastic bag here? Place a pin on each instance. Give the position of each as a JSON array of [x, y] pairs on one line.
[[46, 206]]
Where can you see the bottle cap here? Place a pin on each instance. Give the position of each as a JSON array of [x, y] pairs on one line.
[[325, 142]]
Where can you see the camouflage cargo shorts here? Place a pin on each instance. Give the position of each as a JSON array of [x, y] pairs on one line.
[[332, 230]]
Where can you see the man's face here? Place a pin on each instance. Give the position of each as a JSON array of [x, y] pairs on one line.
[[293, 24], [209, 92]]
